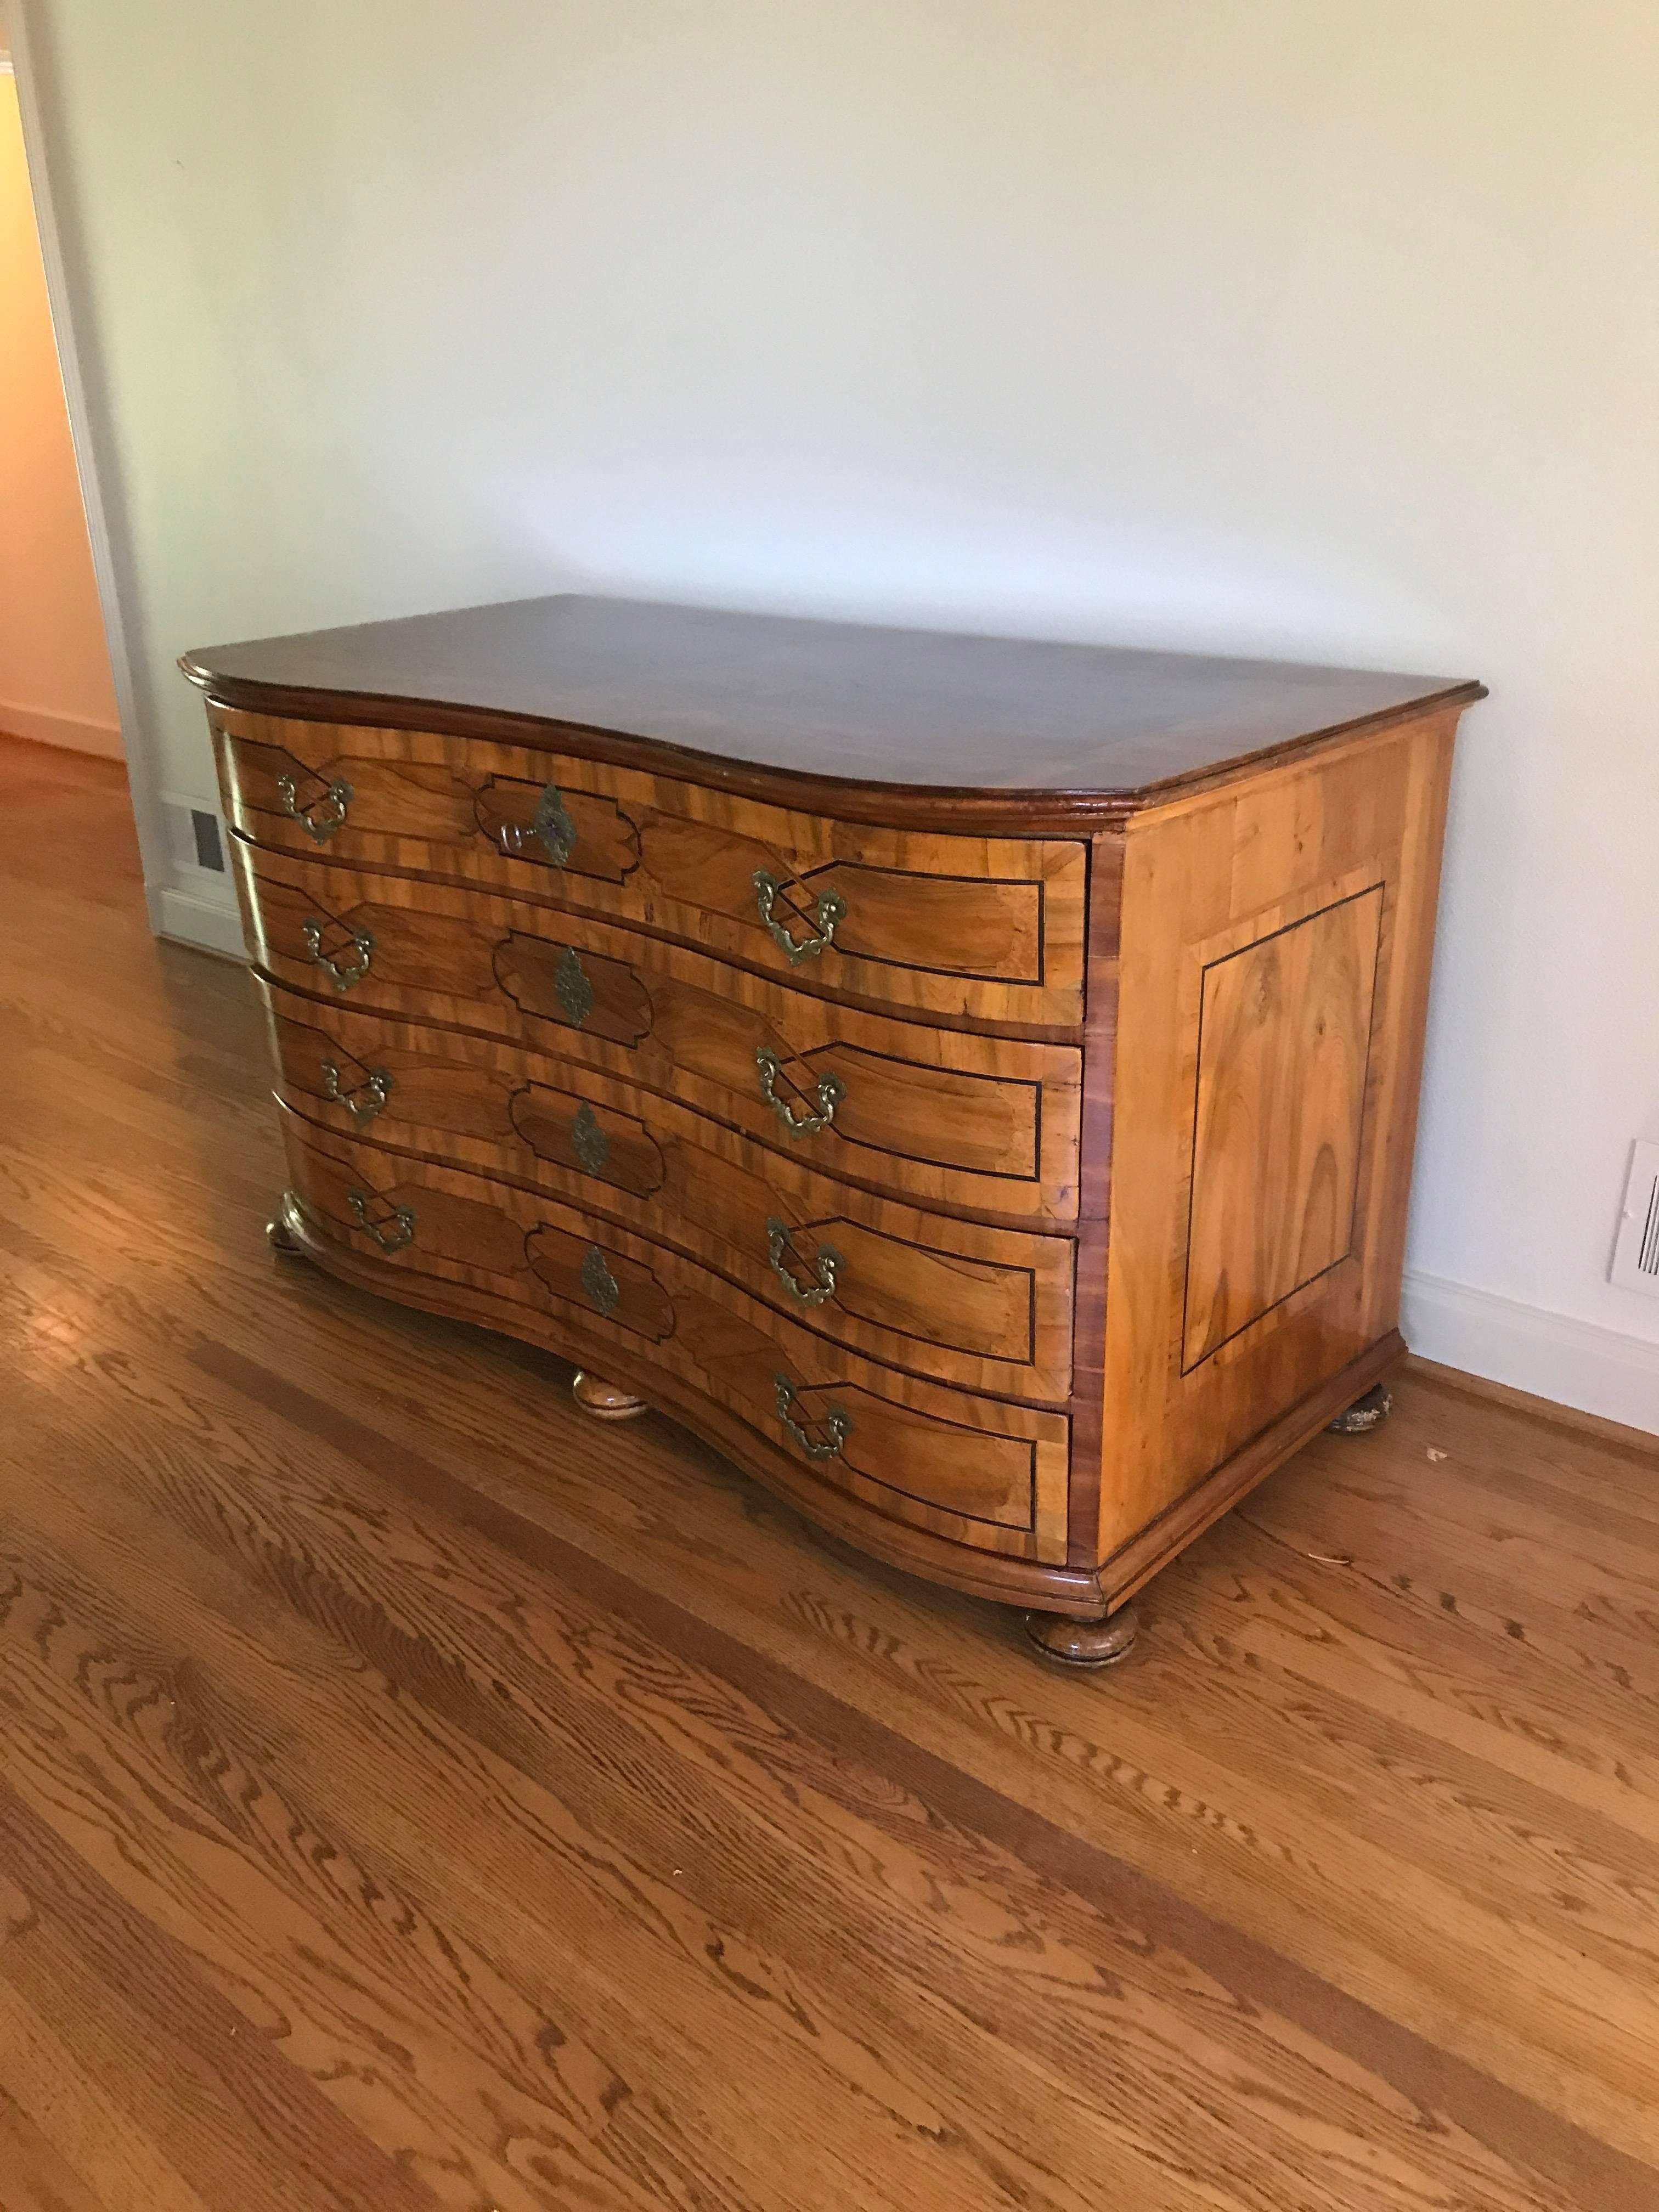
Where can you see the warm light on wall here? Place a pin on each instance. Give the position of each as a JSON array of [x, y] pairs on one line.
[[54, 666]]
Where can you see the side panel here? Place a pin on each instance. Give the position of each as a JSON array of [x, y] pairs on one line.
[[1284, 1028], [1274, 983]]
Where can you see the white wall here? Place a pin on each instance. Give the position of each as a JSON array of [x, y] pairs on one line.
[[1315, 327]]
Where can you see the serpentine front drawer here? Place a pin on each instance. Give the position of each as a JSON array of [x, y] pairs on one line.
[[969, 1081], [987, 1124], [985, 1308], [986, 929], [982, 1471]]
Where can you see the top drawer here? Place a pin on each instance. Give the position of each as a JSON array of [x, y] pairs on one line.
[[990, 929]]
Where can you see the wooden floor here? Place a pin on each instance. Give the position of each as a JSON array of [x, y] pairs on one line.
[[413, 1795]]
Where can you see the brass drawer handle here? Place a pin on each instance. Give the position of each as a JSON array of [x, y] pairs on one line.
[[552, 827], [391, 1236], [366, 1100], [836, 1420], [830, 1092], [322, 819], [342, 974], [777, 1244], [828, 909]]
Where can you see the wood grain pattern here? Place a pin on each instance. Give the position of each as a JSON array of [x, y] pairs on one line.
[[926, 1112], [990, 929], [1284, 1046], [1255, 1083], [1252, 862], [989, 1309], [977, 1470], [1089, 1408], [1206, 880], [391, 1818], [906, 728]]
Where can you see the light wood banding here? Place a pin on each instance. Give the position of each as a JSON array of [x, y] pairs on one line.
[[979, 1471], [1039, 1027], [987, 1308], [933, 1113], [1315, 889], [988, 928]]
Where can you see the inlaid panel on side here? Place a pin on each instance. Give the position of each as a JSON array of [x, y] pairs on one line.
[[985, 928], [1283, 1040], [980, 1123], [1276, 942], [986, 1308], [979, 1470]]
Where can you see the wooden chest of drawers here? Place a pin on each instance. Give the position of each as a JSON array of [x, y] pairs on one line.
[[972, 1083]]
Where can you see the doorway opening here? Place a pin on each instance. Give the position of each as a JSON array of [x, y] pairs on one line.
[[56, 684]]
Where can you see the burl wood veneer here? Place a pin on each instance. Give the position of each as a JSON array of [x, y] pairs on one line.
[[971, 1082]]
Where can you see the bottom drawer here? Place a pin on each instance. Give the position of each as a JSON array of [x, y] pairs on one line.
[[978, 1470]]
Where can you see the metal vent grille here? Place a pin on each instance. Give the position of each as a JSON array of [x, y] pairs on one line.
[[1636, 1255], [195, 841]]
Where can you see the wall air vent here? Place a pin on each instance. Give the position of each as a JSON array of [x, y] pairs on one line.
[[1636, 1255], [195, 841]]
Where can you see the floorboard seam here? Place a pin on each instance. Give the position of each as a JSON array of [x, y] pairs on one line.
[[1509, 2122]]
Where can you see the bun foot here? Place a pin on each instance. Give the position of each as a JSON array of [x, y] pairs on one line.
[[280, 1236], [1367, 1412], [604, 1401], [1070, 1642]]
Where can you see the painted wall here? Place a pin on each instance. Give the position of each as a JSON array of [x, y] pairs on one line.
[[1304, 326], [54, 669]]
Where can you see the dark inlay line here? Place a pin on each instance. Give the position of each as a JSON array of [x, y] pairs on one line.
[[1521, 2131], [326, 2158]]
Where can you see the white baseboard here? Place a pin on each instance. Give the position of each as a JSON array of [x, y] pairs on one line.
[[65, 730], [1576, 1362], [211, 924]]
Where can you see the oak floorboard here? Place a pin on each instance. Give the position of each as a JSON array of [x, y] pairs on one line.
[[413, 1795], [1094, 2046], [828, 2002], [1245, 1833], [1461, 1964], [1102, 2049], [242, 1480], [34, 2176], [1267, 1852]]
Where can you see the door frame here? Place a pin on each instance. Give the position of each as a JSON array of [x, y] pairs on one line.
[[94, 447]]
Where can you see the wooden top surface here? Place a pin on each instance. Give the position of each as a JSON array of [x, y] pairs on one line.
[[928, 711]]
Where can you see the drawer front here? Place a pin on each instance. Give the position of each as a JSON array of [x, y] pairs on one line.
[[982, 1123], [986, 1308], [991, 929], [977, 1469]]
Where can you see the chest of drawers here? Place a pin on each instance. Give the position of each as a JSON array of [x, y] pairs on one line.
[[971, 1083]]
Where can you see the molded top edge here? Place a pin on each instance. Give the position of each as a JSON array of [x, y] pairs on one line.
[[952, 726]]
